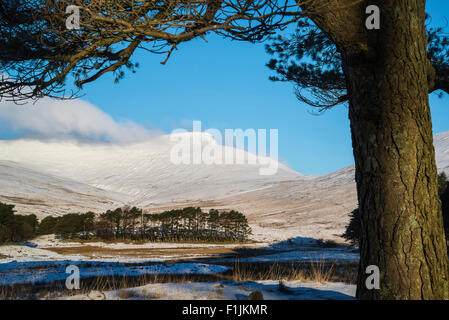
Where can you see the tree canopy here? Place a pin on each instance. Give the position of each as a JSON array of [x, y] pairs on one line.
[[310, 60], [39, 52], [15, 227], [131, 223]]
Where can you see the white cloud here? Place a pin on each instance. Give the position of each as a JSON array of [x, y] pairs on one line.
[[49, 118]]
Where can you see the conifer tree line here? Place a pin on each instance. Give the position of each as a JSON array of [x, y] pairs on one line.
[[16, 228], [174, 225], [129, 223]]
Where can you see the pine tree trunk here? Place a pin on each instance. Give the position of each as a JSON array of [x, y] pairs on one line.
[[396, 175]]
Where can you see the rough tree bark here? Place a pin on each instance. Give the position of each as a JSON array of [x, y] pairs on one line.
[[396, 174]]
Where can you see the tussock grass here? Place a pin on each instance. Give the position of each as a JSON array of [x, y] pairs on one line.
[[57, 289], [316, 271]]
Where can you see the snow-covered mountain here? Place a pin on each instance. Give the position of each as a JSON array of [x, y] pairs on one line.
[[55, 177], [142, 171], [50, 177]]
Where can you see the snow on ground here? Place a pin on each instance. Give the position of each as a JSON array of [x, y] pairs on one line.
[[230, 290], [22, 253], [441, 143], [296, 249], [328, 255], [43, 249], [35, 263], [301, 249], [306, 249], [49, 271], [18, 253], [25, 264]]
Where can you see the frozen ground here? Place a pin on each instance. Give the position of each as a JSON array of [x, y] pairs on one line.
[[306, 254], [38, 264], [48, 248], [229, 290], [21, 253], [49, 271], [125, 253]]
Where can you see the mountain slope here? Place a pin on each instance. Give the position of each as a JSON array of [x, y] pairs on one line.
[[441, 143], [60, 177], [44, 194], [142, 171]]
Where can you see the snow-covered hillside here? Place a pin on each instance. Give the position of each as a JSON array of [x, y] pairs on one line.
[[141, 171], [41, 193], [441, 142], [55, 177]]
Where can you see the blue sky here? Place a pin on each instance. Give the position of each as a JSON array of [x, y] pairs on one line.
[[225, 85]]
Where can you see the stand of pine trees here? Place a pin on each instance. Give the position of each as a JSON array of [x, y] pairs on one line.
[[188, 224], [71, 225], [16, 228]]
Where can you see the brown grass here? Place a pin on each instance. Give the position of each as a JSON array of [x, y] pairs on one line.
[[92, 251], [316, 271]]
